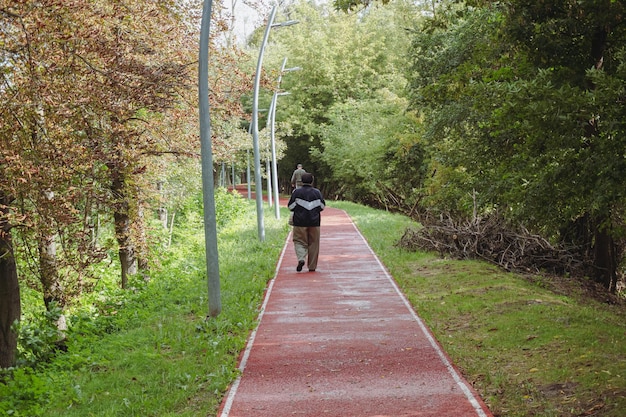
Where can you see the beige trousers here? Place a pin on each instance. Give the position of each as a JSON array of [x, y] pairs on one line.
[[306, 241]]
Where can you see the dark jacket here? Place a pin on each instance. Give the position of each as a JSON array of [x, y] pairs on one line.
[[306, 203]]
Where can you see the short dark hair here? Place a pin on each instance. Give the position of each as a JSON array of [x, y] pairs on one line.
[[307, 178]]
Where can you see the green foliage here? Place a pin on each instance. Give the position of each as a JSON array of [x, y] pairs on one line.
[[540, 165], [568, 36], [370, 147], [228, 206], [349, 62], [448, 64], [350, 5], [515, 123], [23, 393], [37, 337]]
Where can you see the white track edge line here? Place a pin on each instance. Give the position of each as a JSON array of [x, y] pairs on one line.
[[455, 375], [244, 359]]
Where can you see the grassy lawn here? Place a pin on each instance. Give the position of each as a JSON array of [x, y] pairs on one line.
[[529, 347]]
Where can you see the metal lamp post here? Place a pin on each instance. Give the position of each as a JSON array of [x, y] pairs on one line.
[[248, 173], [255, 124], [210, 224], [268, 168], [274, 167], [272, 122]]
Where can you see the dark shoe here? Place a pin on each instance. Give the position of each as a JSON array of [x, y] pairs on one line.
[[311, 270], [300, 265]]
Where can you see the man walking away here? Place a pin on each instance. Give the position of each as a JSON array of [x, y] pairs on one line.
[[296, 177], [306, 203]]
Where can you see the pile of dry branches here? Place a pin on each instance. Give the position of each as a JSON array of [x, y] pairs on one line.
[[492, 239]]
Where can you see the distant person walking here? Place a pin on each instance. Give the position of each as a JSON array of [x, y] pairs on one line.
[[296, 177], [306, 203]]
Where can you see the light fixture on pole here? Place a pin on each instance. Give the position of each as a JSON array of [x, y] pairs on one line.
[[255, 124]]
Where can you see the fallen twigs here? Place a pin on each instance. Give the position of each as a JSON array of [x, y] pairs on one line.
[[492, 239]]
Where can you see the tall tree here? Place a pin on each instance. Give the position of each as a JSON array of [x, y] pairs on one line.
[[517, 117], [10, 307], [344, 58], [85, 88], [579, 43], [105, 52]]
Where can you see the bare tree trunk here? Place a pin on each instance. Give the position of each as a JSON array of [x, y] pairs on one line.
[[10, 306], [48, 268], [605, 256], [162, 211], [53, 291], [126, 247], [48, 272], [605, 259], [142, 247], [597, 245], [171, 230], [128, 261]]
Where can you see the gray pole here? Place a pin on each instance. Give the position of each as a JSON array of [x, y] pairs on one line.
[[274, 167], [271, 166], [273, 140], [248, 174], [255, 124], [269, 181], [248, 179], [258, 185], [272, 117], [210, 224]]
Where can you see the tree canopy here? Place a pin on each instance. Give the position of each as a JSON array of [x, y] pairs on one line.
[[93, 94], [509, 107]]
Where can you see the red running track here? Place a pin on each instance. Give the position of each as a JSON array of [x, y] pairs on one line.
[[344, 342]]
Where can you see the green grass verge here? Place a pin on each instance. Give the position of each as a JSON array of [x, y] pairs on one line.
[[528, 346], [159, 354]]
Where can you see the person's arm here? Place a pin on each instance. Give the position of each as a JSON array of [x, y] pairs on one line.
[[290, 205]]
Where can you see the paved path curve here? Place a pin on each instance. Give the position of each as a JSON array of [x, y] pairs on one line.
[[344, 342]]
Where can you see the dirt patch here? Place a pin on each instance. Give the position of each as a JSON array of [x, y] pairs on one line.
[[583, 289], [558, 390], [570, 403]]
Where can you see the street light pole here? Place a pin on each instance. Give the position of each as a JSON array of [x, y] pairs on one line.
[[273, 142], [248, 173], [272, 122], [258, 185], [268, 168], [255, 124], [210, 224]]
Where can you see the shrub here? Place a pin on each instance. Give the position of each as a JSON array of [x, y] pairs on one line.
[[23, 393], [228, 206], [38, 337]]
